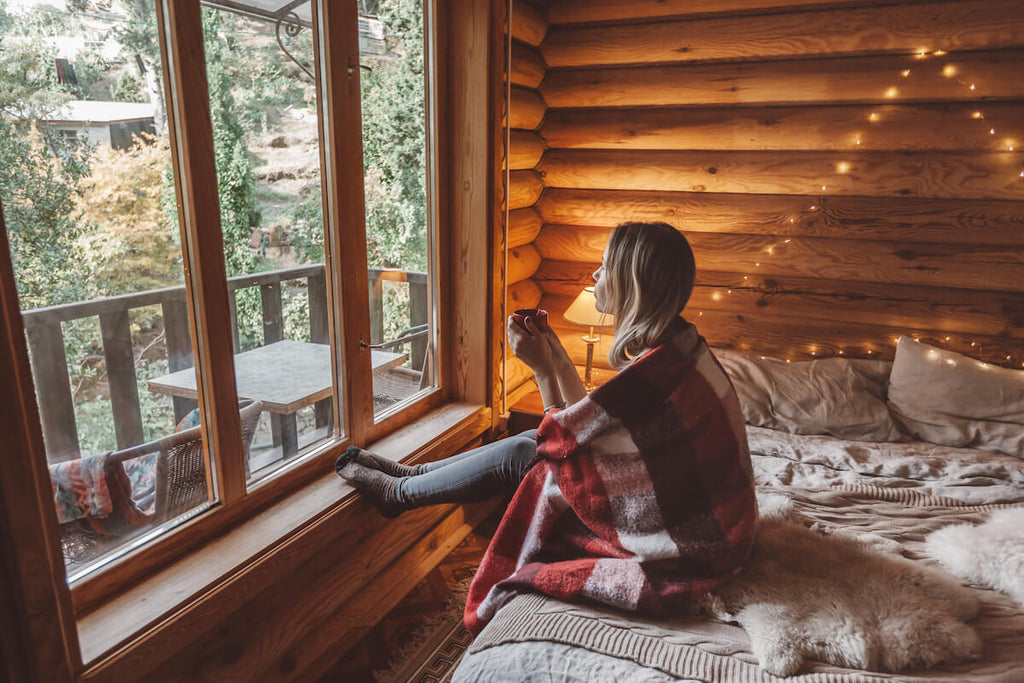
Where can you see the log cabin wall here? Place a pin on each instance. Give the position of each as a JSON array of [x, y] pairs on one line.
[[525, 113], [846, 171]]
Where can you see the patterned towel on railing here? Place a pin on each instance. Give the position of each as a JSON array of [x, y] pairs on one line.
[[80, 488], [142, 473]]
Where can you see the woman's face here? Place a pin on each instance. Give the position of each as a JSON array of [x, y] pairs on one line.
[[599, 285]]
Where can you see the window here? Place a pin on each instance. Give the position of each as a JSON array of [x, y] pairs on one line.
[[318, 290]]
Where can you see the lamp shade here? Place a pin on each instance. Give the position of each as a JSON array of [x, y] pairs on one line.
[[583, 311]]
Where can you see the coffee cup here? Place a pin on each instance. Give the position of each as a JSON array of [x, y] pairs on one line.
[[538, 315]]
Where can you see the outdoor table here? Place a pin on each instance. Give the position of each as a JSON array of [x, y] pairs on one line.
[[286, 375]]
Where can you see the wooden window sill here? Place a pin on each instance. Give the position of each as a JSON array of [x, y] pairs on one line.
[[232, 567]]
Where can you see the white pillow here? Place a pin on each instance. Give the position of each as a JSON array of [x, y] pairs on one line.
[[952, 400], [841, 397]]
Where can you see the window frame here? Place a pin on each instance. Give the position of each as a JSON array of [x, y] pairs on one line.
[[469, 60], [336, 46]]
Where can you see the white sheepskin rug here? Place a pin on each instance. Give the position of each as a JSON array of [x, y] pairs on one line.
[[843, 600], [991, 554]]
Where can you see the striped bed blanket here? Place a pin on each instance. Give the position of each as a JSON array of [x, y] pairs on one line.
[[891, 495]]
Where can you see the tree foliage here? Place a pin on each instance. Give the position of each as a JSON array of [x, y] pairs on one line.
[[127, 244]]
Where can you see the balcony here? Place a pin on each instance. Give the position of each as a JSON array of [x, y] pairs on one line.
[[45, 328]]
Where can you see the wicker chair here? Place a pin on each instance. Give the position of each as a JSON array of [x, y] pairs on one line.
[[181, 467], [180, 487]]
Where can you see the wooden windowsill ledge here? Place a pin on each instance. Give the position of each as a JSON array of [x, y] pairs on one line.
[[222, 575]]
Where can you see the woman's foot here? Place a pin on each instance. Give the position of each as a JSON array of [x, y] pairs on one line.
[[376, 462], [381, 489]]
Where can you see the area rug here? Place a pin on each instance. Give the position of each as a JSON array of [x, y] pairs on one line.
[[434, 650]]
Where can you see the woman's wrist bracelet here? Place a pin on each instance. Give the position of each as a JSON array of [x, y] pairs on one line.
[[559, 405]]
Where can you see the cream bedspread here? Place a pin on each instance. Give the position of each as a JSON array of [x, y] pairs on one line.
[[900, 492]]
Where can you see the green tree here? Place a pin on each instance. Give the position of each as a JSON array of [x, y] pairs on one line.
[[394, 142], [127, 243], [40, 190]]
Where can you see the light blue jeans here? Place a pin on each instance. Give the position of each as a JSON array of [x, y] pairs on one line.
[[472, 476]]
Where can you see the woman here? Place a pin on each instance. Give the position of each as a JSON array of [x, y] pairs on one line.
[[639, 495]]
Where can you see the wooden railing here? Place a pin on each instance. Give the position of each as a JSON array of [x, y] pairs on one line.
[[50, 367]]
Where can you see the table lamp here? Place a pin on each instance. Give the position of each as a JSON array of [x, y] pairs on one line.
[[583, 311]]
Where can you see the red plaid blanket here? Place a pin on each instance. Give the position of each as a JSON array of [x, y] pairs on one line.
[[643, 496]]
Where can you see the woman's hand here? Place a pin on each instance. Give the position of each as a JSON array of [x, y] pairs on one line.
[[530, 345]]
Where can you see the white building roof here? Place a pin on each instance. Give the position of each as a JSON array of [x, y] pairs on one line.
[[80, 111]]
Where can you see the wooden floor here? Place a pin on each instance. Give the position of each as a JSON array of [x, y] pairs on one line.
[[372, 658]]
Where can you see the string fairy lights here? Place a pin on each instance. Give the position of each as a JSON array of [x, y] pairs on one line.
[[957, 74]]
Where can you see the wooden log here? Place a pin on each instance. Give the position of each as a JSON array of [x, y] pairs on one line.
[[523, 227], [526, 109], [524, 189], [882, 218], [957, 311], [912, 263], [528, 24], [523, 294], [996, 75], [911, 127], [588, 11], [527, 66], [517, 373], [949, 26], [522, 263], [799, 339], [991, 175], [525, 150]]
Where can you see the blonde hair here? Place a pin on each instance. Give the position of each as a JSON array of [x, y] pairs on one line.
[[649, 274]]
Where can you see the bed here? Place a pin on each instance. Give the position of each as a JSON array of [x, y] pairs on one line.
[[888, 495]]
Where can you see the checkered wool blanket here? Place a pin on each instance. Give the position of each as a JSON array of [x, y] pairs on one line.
[[642, 497]]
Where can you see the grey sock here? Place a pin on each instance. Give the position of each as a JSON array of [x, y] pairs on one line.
[[381, 489], [377, 462]]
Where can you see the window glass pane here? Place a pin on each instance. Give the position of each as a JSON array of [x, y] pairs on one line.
[[398, 226], [266, 143], [86, 181]]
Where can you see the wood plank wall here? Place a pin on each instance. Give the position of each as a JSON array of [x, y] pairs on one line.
[[526, 112], [846, 170]]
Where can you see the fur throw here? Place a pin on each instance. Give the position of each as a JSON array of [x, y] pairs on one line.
[[838, 599], [991, 554], [642, 496]]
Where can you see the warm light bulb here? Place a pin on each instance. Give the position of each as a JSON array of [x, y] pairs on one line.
[[843, 167], [858, 141], [841, 353], [891, 93], [823, 188], [873, 116], [939, 53], [977, 115], [716, 296], [788, 241], [972, 86], [991, 131], [949, 71], [758, 264], [813, 208], [905, 73]]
